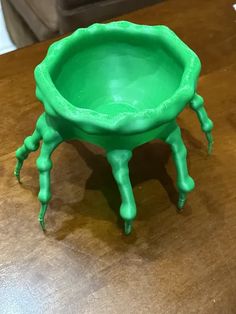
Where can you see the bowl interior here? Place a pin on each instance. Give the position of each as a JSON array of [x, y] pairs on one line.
[[113, 73]]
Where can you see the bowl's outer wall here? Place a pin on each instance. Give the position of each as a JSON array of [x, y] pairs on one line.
[[110, 141]]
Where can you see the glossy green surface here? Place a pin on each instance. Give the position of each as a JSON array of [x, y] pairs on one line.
[[118, 77], [109, 76], [117, 85]]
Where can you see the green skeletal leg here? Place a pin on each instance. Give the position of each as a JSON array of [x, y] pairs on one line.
[[44, 165], [197, 104], [118, 160], [31, 143], [185, 183]]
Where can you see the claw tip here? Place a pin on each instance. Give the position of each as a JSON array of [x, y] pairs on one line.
[[181, 202], [210, 146], [17, 176], [128, 227], [42, 224]]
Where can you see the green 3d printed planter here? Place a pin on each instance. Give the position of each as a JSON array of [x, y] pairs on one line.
[[117, 85]]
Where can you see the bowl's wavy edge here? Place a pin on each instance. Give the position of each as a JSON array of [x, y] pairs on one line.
[[128, 123]]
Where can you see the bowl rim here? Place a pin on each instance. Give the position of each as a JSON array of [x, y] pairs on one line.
[[94, 122]]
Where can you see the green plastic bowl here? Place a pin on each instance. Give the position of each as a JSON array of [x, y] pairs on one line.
[[117, 85]]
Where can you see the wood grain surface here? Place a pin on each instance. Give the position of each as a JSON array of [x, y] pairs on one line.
[[171, 263]]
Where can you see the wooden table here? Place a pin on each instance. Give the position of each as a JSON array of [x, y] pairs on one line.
[[171, 263]]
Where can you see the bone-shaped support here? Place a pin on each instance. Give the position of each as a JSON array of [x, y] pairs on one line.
[[197, 104]]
